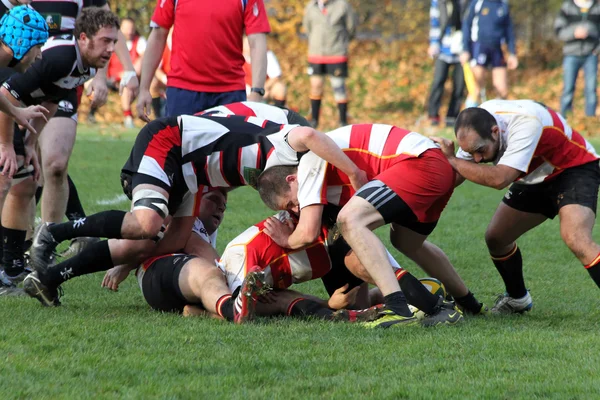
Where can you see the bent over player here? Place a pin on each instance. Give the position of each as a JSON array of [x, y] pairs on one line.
[[555, 172]]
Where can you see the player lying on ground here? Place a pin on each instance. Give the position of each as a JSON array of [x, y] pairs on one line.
[[170, 158], [410, 184], [555, 172]]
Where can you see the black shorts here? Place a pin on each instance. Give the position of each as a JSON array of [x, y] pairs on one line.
[[339, 275], [67, 106], [338, 69], [155, 159], [160, 283], [577, 185], [296, 119], [19, 140]]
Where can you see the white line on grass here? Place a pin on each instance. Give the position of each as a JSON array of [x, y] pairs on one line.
[[112, 201]]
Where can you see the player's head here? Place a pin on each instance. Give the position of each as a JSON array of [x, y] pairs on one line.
[[24, 31], [96, 31], [212, 208], [278, 188], [478, 134], [128, 28]]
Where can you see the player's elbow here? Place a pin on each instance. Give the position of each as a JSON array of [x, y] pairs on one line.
[[500, 183]]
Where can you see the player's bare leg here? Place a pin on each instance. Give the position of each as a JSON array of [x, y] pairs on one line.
[[201, 281], [56, 143], [480, 75], [506, 226], [576, 225], [500, 81]]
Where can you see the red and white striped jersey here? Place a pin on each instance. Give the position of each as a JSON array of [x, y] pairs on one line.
[[224, 151], [535, 140], [372, 147], [282, 267], [251, 109]]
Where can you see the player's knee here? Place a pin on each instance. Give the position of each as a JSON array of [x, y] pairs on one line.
[[150, 228], [339, 89], [494, 241], [24, 189], [347, 220], [56, 168]]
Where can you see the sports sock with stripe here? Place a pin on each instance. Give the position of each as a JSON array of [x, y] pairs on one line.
[[416, 293], [13, 260], [469, 303], [593, 269], [224, 307], [105, 224], [510, 267], [315, 106]]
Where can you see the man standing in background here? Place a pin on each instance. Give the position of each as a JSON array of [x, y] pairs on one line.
[[578, 26], [329, 24], [445, 45], [206, 57]]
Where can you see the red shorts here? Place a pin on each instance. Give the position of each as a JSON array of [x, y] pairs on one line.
[[425, 183]]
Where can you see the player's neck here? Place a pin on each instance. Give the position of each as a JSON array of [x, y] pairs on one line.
[[6, 55]]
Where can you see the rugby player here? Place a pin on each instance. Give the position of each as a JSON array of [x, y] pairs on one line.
[[553, 171], [410, 182], [172, 157]]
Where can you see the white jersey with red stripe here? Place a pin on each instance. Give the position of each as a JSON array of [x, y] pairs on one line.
[[227, 150], [535, 140], [282, 267], [372, 147], [251, 109]]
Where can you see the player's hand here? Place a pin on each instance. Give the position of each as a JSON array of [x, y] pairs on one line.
[[8, 160], [512, 62], [129, 81], [144, 105], [22, 116], [342, 299], [465, 56], [114, 277], [98, 91], [446, 145], [359, 179], [31, 158], [278, 231], [433, 50], [255, 97]]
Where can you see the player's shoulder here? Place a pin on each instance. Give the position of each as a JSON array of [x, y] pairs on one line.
[[65, 43]]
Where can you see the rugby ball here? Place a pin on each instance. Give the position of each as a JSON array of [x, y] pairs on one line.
[[434, 286]]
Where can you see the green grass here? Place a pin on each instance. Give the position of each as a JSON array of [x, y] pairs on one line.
[[111, 345]]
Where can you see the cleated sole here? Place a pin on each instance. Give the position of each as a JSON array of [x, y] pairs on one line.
[[35, 288]]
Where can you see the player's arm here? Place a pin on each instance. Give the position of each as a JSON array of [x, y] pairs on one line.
[[258, 55], [303, 139], [157, 41], [116, 275], [306, 231], [199, 247], [494, 176]]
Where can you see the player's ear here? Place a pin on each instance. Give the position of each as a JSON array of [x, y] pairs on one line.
[[495, 132], [290, 178]]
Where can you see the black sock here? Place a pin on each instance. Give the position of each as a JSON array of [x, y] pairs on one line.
[[225, 305], [156, 106], [417, 294], [594, 270], [93, 111], [279, 103], [12, 258], [343, 109], [103, 224], [303, 308], [38, 194], [510, 267], [469, 303], [93, 258], [315, 106], [397, 303], [74, 207]]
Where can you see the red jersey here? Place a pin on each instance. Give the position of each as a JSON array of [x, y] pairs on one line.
[[374, 148], [283, 267], [115, 68], [207, 41]]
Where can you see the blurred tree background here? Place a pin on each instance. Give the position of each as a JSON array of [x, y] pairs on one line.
[[390, 70]]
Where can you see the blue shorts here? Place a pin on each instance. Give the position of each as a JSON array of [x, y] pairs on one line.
[[488, 56], [181, 101]]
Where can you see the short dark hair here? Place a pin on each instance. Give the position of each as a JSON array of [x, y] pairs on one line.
[[271, 184], [478, 119], [92, 19]]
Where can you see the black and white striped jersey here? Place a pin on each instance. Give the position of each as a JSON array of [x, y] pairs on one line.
[[223, 151], [60, 15], [51, 78]]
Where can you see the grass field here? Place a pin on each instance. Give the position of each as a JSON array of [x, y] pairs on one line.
[[111, 345]]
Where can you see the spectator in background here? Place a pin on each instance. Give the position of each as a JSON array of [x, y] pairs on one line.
[[445, 45], [578, 26], [136, 44], [206, 59], [486, 27], [275, 88], [329, 24]]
